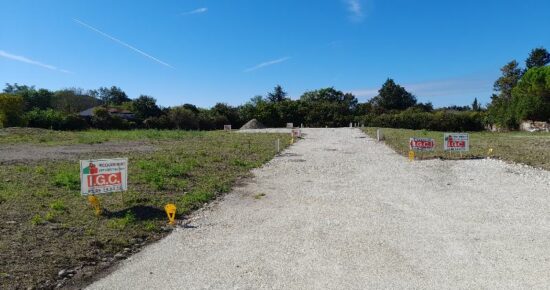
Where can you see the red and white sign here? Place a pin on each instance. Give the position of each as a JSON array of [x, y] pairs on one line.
[[457, 142], [296, 133], [103, 176], [422, 144]]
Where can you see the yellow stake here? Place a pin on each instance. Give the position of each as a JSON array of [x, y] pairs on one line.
[[292, 140], [490, 151], [411, 156], [94, 202], [171, 212]]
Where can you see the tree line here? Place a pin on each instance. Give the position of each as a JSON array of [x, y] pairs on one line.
[[394, 106], [521, 94]]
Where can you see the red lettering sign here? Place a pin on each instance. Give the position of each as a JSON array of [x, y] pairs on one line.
[[95, 180]]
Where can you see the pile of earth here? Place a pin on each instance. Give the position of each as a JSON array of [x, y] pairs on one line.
[[253, 124]]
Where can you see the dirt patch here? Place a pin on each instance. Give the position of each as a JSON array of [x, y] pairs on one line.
[[28, 154]]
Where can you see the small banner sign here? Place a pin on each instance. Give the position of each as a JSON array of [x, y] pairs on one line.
[[290, 125], [459, 142], [227, 127], [103, 176], [296, 133], [422, 144]]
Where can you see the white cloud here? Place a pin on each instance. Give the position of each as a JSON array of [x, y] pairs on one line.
[[122, 43], [355, 9], [267, 63], [196, 11], [439, 88], [30, 61]]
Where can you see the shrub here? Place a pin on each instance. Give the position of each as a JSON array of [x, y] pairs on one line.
[[437, 121], [11, 110], [531, 97], [47, 119]]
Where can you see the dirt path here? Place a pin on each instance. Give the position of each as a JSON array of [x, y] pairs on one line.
[[343, 212]]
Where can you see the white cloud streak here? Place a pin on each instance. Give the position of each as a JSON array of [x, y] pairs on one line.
[[440, 88], [196, 11], [267, 63], [30, 61], [356, 9], [122, 43]]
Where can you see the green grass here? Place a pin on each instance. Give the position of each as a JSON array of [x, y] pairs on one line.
[[520, 147], [49, 137], [55, 228]]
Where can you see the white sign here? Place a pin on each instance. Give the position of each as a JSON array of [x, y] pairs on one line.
[[459, 142], [227, 127], [296, 133], [421, 144], [290, 125], [103, 176]]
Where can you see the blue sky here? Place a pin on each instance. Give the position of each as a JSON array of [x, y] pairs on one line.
[[209, 51]]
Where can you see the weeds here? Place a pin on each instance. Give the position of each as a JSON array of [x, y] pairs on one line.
[[188, 169], [67, 179]]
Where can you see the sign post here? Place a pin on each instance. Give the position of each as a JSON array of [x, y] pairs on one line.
[[456, 142], [227, 128], [421, 144], [102, 176]]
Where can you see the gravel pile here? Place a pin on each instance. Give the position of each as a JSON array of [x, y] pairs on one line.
[[253, 124], [340, 211]]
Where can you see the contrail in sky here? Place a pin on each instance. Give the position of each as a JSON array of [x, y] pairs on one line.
[[122, 43], [30, 61], [267, 63]]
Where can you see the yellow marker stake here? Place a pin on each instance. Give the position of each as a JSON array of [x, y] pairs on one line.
[[171, 212], [411, 156], [490, 151], [292, 140], [94, 202]]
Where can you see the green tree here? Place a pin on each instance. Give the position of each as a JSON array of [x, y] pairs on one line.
[[511, 73], [393, 97], [476, 106], [531, 97], [183, 118], [11, 110], [145, 107], [538, 57], [73, 100], [229, 112], [278, 95], [113, 96], [328, 107]]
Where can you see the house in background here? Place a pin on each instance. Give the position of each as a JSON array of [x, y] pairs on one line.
[[115, 112]]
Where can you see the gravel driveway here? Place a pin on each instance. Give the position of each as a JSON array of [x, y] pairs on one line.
[[341, 211]]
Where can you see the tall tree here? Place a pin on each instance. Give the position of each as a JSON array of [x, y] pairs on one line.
[[278, 95], [476, 106], [145, 107], [393, 97], [538, 57], [531, 97], [113, 95], [511, 73]]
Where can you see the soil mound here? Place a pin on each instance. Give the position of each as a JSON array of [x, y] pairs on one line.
[[253, 124]]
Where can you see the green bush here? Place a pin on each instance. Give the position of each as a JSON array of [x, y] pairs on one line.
[[531, 97], [11, 110], [56, 120], [436, 121]]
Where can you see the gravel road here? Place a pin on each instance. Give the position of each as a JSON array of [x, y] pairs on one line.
[[341, 211]]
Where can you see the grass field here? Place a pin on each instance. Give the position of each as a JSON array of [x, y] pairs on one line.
[[47, 226], [521, 147]]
